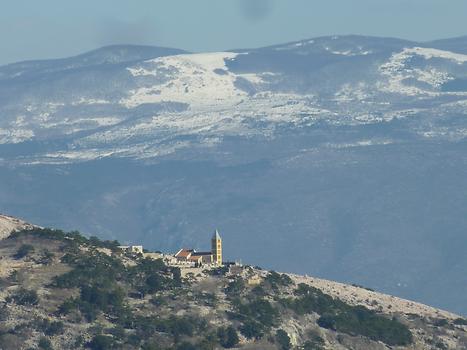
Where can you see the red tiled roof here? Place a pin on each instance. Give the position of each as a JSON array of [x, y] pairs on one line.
[[184, 253]]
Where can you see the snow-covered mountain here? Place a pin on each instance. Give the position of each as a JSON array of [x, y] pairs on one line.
[[347, 153], [144, 102]]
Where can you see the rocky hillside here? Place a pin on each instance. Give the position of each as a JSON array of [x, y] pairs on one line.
[[64, 291], [9, 224]]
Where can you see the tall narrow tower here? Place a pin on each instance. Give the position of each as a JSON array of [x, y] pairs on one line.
[[216, 248]]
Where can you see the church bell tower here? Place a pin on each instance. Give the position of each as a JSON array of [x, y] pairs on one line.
[[216, 248]]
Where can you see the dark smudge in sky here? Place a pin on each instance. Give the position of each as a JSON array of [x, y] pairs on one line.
[[256, 10], [113, 31]]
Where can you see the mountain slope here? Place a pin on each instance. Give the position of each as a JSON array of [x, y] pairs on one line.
[[346, 153], [69, 292]]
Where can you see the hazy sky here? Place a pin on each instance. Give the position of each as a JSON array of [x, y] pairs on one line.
[[56, 28]]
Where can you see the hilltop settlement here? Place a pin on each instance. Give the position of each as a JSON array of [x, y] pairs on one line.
[[61, 290]]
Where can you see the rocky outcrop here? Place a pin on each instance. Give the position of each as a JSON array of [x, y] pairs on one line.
[[8, 224]]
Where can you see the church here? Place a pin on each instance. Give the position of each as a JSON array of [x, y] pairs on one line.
[[192, 257]]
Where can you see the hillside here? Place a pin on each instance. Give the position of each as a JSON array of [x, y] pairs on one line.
[[64, 291], [341, 157], [9, 224]]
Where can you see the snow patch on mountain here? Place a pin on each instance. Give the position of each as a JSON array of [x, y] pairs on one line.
[[192, 79], [429, 53], [15, 135], [400, 72]]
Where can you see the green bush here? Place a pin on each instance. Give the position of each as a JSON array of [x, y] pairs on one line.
[[283, 339], [252, 329], [186, 346], [440, 322], [315, 342], [460, 321], [278, 280], [219, 271], [101, 342], [228, 337], [44, 344], [46, 258], [23, 251], [51, 328], [260, 310], [175, 326], [310, 345], [235, 287], [24, 297]]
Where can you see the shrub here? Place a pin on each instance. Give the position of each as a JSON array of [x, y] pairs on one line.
[[460, 321], [260, 310], [46, 258], [44, 344], [235, 287], [278, 280], [283, 339], [23, 251], [67, 306], [158, 300], [228, 337], [252, 329], [53, 328], [177, 276], [24, 297], [101, 342], [440, 322], [315, 342], [219, 271], [186, 346], [49, 328]]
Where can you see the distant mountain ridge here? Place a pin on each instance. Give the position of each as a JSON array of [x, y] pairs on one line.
[[346, 153], [114, 54]]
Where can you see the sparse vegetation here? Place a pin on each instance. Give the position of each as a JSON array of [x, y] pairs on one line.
[[339, 316], [128, 302]]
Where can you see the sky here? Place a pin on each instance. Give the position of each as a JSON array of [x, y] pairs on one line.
[[38, 29]]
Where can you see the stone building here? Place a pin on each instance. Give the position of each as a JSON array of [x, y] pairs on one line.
[[192, 257]]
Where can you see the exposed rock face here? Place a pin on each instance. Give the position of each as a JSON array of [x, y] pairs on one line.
[[9, 224]]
